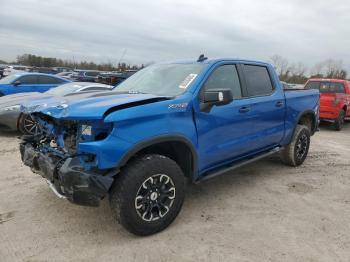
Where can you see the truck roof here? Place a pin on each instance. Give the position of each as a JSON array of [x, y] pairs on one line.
[[333, 80], [216, 60]]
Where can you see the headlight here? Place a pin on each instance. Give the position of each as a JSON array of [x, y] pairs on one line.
[[11, 108], [86, 130], [94, 130]]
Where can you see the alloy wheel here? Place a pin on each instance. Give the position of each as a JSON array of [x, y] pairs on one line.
[[155, 197]]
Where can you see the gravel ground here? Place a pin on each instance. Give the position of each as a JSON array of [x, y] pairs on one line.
[[263, 212]]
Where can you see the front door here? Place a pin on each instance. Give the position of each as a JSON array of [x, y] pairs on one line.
[[225, 131]]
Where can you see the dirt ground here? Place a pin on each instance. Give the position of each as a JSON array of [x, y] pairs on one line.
[[263, 212]]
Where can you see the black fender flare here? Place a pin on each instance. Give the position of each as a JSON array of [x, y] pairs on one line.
[[315, 120], [160, 139]]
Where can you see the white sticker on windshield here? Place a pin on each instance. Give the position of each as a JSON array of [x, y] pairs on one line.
[[187, 81]]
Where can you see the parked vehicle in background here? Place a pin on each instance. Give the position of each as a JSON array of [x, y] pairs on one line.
[[66, 75], [113, 78], [44, 70], [9, 70], [288, 86], [84, 75], [2, 68], [60, 69], [11, 118], [29, 82], [167, 123], [335, 99]]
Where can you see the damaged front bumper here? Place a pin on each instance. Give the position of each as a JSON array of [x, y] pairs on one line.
[[66, 176]]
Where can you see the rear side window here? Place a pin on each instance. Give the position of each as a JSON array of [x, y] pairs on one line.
[[225, 77], [28, 80], [258, 80], [326, 87], [49, 80], [336, 88]]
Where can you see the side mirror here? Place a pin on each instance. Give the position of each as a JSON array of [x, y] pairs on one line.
[[17, 83], [216, 97]]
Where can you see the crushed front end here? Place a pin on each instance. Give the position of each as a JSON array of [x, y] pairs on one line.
[[54, 154]]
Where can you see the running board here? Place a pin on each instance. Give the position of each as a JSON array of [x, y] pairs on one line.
[[239, 164]]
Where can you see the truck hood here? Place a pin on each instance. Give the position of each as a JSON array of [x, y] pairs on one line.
[[92, 106]]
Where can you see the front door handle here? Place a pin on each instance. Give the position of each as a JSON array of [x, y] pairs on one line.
[[244, 109], [279, 104]]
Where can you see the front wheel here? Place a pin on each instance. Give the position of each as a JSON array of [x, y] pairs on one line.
[[28, 125], [339, 122], [296, 152], [148, 194]]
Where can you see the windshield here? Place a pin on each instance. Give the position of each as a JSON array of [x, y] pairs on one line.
[[8, 79], [65, 89], [162, 79]]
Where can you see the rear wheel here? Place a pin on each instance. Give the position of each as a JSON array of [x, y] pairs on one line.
[[339, 122], [28, 125], [1, 94], [296, 152], [148, 194]]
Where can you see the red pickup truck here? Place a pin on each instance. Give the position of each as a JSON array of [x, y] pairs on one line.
[[335, 99]]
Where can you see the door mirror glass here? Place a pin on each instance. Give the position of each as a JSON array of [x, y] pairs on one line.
[[218, 96]]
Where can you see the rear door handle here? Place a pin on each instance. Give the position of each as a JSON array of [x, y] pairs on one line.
[[279, 104], [244, 109]]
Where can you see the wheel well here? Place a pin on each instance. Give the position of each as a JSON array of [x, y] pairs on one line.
[[1, 94], [178, 151], [308, 120]]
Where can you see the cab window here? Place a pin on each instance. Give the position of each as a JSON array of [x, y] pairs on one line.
[[225, 77]]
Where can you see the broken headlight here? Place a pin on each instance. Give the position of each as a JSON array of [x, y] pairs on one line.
[[86, 130], [94, 131]]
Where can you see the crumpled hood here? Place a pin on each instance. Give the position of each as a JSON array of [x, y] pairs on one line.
[[88, 106], [17, 99]]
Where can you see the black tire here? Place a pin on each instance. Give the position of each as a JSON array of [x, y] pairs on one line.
[[1, 94], [296, 152], [339, 122], [131, 193]]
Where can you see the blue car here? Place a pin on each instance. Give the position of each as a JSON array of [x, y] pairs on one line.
[[168, 123], [29, 82]]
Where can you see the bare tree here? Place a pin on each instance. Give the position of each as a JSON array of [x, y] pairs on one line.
[[281, 64], [298, 69]]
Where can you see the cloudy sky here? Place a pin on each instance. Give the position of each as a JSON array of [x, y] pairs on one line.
[[145, 31]]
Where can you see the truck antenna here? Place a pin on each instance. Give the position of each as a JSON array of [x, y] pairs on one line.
[[202, 58]]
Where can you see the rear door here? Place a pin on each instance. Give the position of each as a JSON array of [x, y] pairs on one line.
[[267, 106], [47, 82]]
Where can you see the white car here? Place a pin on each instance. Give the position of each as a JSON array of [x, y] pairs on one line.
[[14, 69]]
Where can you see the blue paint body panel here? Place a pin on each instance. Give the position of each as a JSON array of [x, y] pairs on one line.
[[218, 137]]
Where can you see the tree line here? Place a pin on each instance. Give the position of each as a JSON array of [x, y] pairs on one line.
[[298, 73], [40, 61]]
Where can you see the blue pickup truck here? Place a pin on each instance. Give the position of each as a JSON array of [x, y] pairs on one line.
[[168, 123]]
